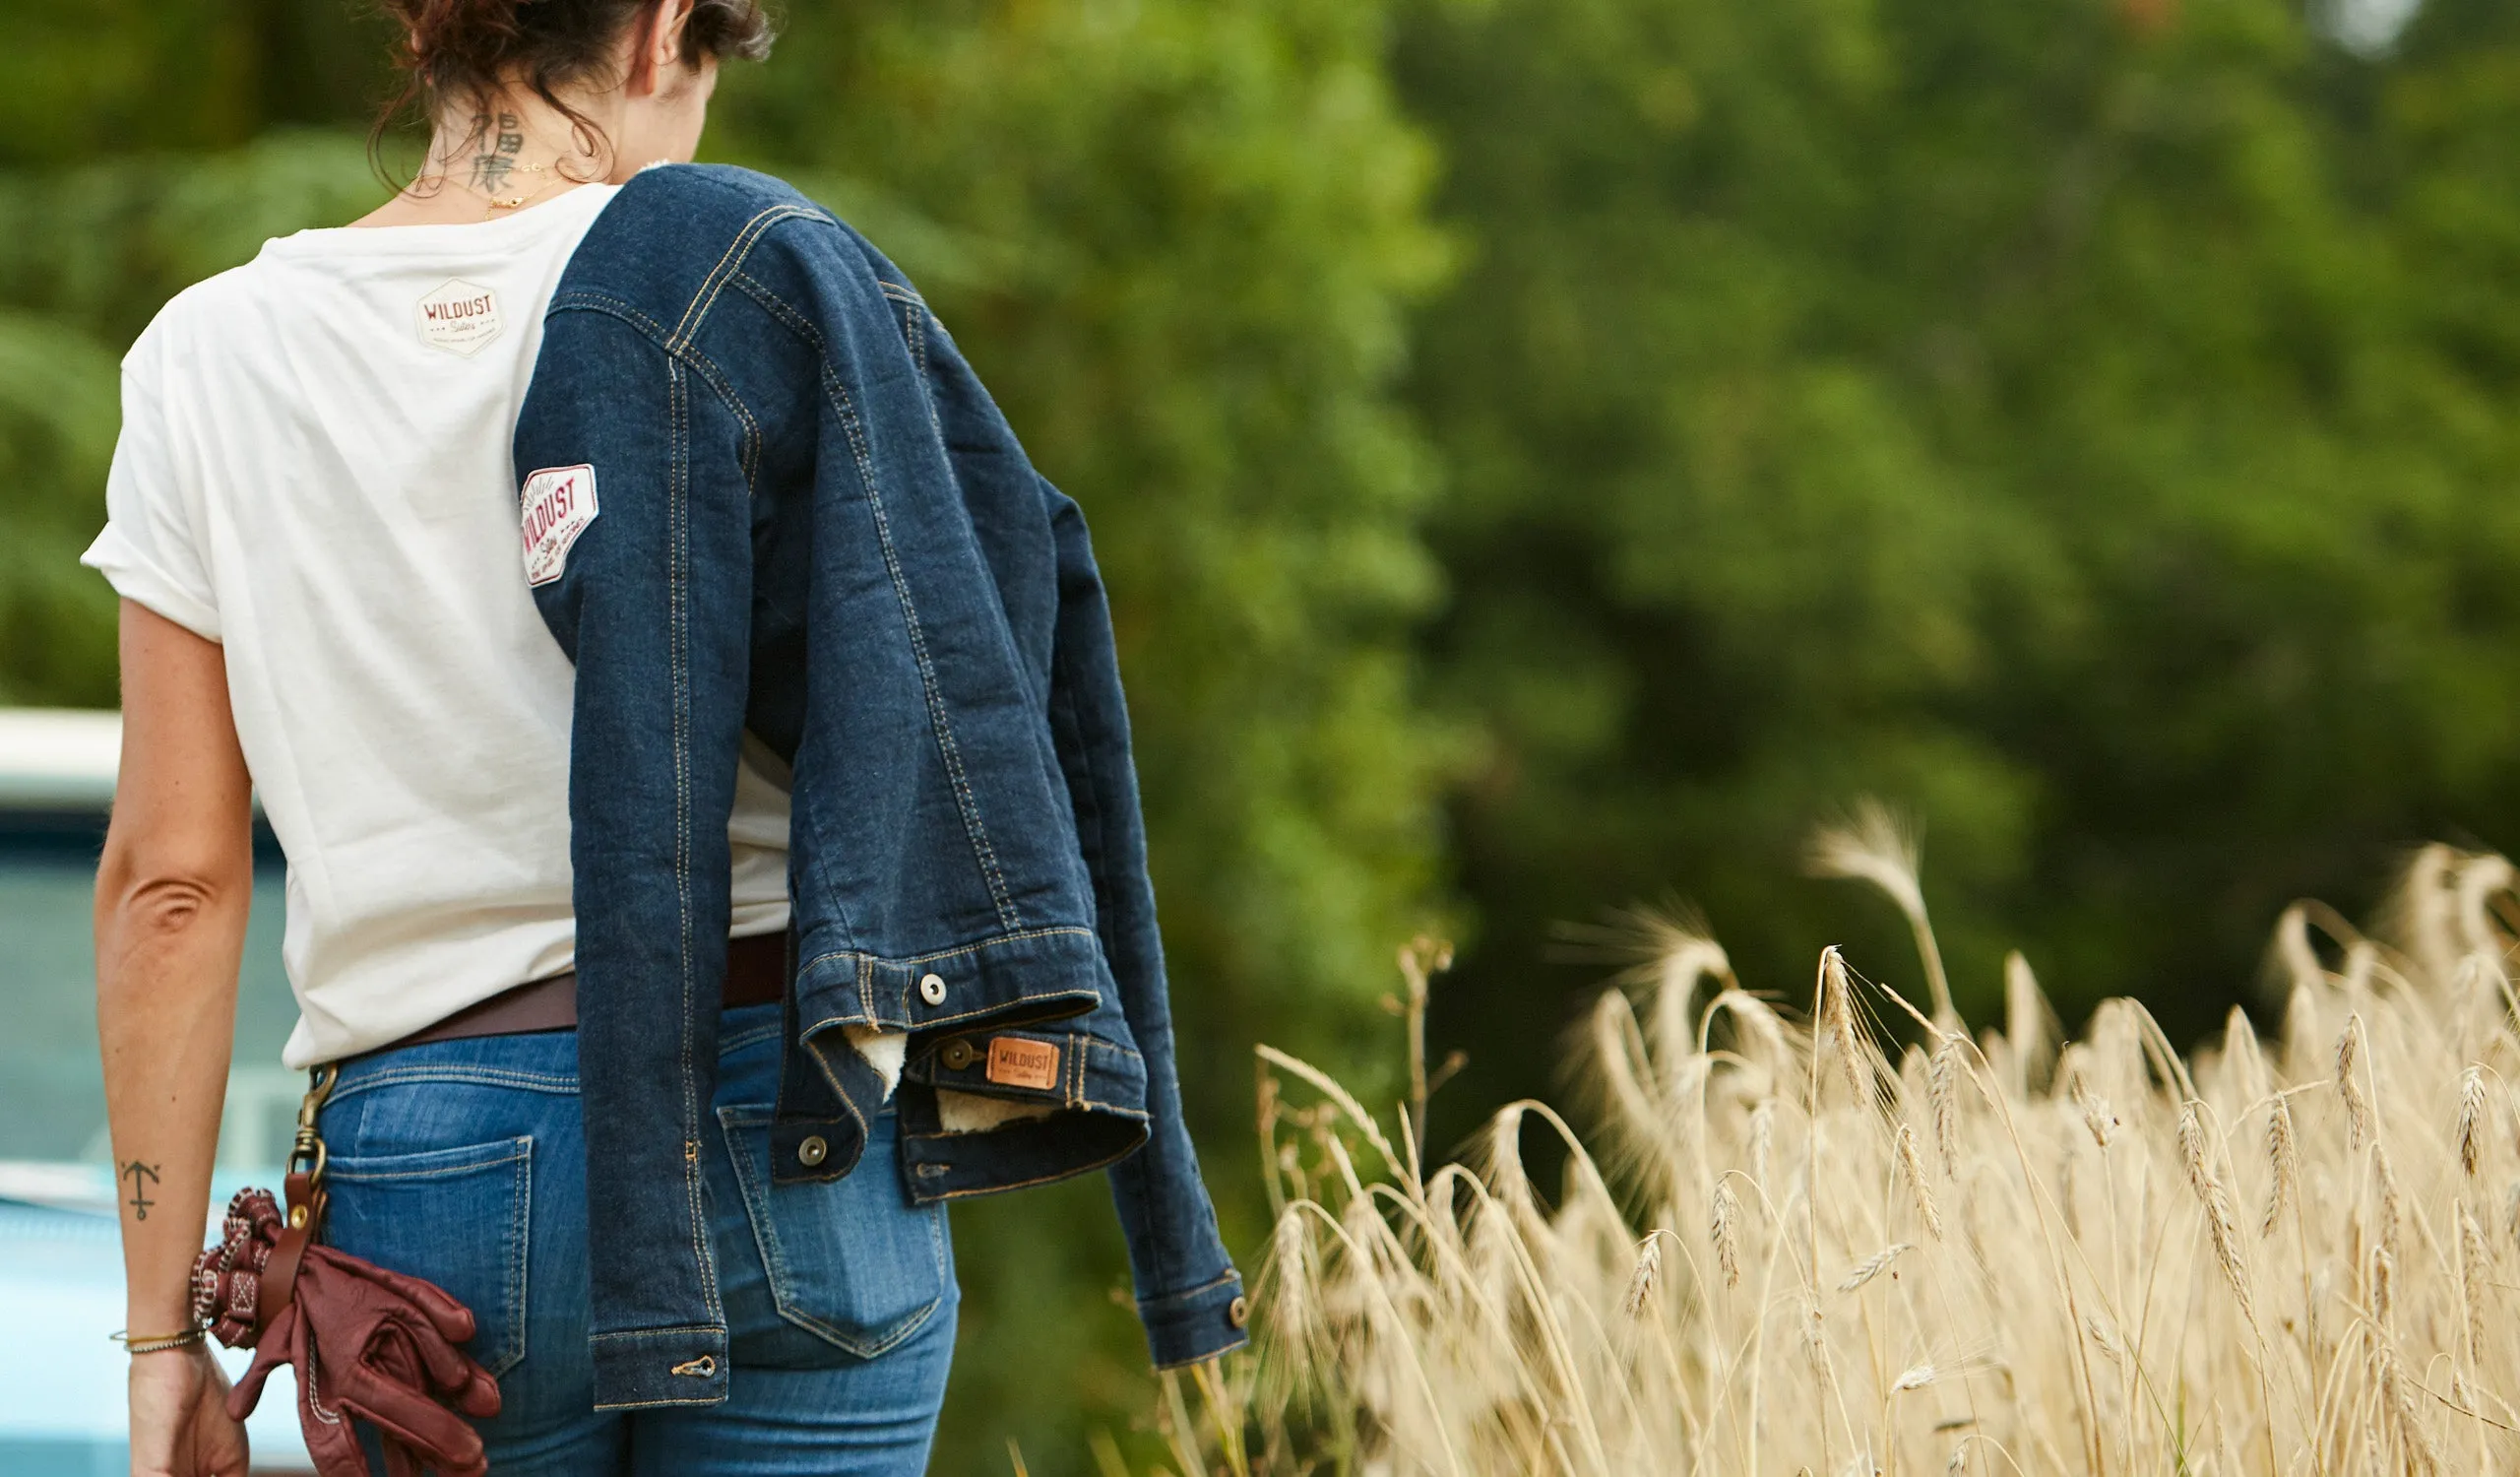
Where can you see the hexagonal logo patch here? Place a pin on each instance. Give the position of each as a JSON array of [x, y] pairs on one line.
[[459, 317]]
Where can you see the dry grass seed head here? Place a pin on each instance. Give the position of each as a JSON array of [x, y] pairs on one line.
[[1912, 1168], [2384, 1173], [2282, 1162], [1942, 1088], [2097, 1118], [2220, 1224], [2479, 880], [2476, 1263], [2104, 1338], [1837, 1019], [2349, 1083], [2300, 1033], [1815, 1339], [1762, 1139], [1640, 1283], [2471, 1118], [1873, 1265], [1724, 1229], [2241, 1055], [2191, 1149], [2293, 947], [2028, 1025], [1877, 845]]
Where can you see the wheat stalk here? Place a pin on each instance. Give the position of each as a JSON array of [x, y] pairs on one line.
[[1733, 1294]]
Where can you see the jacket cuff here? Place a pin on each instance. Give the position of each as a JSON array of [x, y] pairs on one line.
[[1186, 1327], [643, 1367]]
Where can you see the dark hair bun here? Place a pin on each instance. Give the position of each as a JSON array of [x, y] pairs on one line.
[[460, 53]]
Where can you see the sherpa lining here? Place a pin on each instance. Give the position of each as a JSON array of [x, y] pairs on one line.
[[974, 1112], [883, 1049]]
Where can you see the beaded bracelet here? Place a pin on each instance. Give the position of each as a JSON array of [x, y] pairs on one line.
[[159, 1343]]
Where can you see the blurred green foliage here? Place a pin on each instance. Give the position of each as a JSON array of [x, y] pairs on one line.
[[2089, 425], [1550, 451]]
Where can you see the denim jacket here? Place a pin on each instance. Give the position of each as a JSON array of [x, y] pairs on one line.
[[766, 502]]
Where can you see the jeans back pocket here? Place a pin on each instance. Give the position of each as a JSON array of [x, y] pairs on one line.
[[849, 1260], [457, 1217]]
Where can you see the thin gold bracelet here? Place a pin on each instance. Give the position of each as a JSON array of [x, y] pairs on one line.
[[157, 1343]]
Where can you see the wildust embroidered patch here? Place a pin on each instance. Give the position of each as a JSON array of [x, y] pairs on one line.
[[557, 504], [1018, 1063], [459, 316]]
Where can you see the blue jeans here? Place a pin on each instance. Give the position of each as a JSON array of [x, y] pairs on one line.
[[464, 1162]]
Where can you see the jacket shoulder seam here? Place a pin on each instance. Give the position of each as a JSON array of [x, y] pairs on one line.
[[731, 260], [590, 300]]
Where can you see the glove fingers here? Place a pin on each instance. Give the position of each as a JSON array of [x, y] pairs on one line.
[[273, 1352], [452, 1373], [456, 1379], [330, 1438], [442, 1437], [399, 1460], [451, 1318], [480, 1398], [335, 1448]]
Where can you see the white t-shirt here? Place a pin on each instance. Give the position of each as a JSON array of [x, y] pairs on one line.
[[313, 470]]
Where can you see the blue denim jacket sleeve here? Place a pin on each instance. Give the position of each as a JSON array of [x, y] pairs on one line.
[[658, 582], [1189, 1295]]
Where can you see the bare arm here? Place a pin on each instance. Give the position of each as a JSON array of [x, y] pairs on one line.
[[173, 893]]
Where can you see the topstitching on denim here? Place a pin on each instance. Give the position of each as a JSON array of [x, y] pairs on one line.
[[937, 716], [354, 1080]]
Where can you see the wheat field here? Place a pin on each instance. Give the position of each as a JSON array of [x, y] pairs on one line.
[[1852, 1233]]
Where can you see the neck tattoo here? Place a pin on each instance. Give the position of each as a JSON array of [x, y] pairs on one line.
[[502, 143]]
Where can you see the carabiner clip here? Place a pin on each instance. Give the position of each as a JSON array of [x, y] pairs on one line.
[[306, 1153]]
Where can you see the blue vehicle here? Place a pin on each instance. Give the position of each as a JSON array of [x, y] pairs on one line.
[[60, 1248]]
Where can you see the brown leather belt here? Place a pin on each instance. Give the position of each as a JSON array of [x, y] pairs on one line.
[[756, 975]]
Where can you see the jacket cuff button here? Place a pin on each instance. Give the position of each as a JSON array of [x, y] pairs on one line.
[[812, 1151], [1238, 1312], [932, 988]]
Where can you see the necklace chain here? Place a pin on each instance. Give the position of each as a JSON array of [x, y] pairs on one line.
[[498, 201]]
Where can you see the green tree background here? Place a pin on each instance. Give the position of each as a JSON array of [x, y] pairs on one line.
[[1550, 453]]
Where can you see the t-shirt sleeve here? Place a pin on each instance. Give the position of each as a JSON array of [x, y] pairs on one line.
[[150, 548]]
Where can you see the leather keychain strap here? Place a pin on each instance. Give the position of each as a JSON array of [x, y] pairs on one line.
[[288, 1249], [304, 1188]]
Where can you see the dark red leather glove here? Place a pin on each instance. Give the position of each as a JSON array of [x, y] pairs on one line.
[[366, 1344]]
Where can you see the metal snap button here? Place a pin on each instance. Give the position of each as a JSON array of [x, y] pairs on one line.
[[1238, 1313], [959, 1054], [812, 1151], [932, 988]]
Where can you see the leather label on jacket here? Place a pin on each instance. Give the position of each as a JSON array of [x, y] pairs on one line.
[[1016, 1063], [557, 504]]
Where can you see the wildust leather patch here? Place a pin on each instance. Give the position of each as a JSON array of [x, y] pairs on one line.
[[557, 503], [1018, 1063]]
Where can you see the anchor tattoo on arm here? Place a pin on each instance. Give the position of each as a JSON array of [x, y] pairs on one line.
[[141, 1176]]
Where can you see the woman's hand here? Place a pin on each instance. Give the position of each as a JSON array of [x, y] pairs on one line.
[[179, 1422]]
